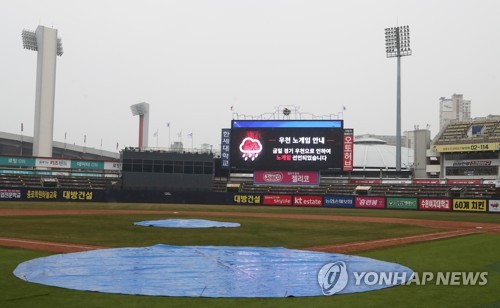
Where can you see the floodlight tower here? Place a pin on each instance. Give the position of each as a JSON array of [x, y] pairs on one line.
[[45, 42], [142, 110], [397, 44]]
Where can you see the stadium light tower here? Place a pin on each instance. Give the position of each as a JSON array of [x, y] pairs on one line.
[[45, 42], [397, 44], [142, 110]]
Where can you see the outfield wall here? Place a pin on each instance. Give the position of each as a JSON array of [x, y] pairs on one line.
[[480, 205]]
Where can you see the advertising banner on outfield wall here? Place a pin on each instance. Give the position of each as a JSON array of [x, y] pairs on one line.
[[77, 195], [338, 201], [308, 201], [62, 195], [48, 194], [246, 199], [10, 194], [286, 177], [402, 203], [494, 206], [369, 202], [469, 205], [434, 204], [277, 200]]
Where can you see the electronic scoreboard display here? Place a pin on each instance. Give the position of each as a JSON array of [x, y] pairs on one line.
[[286, 145]]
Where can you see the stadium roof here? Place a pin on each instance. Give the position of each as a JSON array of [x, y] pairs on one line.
[[10, 145]]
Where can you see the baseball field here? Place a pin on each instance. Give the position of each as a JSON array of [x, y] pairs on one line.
[[426, 242]]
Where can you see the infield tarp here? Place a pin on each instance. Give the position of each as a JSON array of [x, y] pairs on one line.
[[205, 271], [186, 223]]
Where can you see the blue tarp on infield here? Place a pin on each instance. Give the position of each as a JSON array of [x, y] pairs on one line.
[[209, 271], [186, 223]]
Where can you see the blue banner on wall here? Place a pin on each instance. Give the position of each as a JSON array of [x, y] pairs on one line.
[[338, 201]]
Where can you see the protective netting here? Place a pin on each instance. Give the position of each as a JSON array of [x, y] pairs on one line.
[[186, 223], [210, 271]]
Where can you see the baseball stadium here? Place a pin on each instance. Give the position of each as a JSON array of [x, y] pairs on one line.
[[288, 212], [288, 184]]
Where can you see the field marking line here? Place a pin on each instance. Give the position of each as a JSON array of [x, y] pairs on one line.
[[397, 241], [4, 240]]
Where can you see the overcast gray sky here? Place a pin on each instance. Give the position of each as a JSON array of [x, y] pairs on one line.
[[191, 60]]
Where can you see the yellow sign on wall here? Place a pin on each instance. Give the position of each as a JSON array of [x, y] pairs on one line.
[[472, 147], [41, 194], [470, 205], [247, 199]]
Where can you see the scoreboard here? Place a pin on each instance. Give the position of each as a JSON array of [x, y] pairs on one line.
[[302, 145]]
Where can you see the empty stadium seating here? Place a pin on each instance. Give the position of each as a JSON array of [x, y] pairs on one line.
[[403, 190], [458, 132], [29, 180], [246, 185]]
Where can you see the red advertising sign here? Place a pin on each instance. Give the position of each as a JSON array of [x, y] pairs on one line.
[[463, 182], [426, 181], [370, 202], [277, 200], [365, 181], [286, 177], [312, 201], [434, 204], [348, 155]]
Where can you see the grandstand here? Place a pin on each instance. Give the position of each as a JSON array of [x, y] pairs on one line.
[[378, 187], [478, 130], [467, 154], [39, 181], [467, 151]]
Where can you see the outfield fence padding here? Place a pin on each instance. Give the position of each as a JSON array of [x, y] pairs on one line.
[[479, 205]]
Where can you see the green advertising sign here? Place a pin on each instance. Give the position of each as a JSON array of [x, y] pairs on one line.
[[16, 172], [82, 164], [402, 203], [94, 175], [17, 161]]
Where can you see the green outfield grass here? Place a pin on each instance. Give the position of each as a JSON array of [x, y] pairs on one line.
[[119, 231], [479, 252]]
